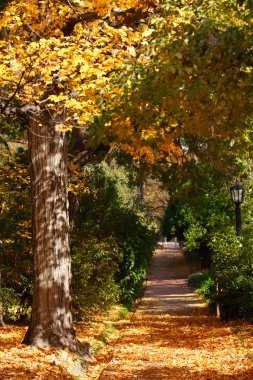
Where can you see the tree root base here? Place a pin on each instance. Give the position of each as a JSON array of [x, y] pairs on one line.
[[44, 338]]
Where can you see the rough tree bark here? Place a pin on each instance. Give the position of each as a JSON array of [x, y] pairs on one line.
[[51, 320]]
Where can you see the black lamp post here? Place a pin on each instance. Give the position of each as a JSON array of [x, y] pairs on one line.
[[237, 192]]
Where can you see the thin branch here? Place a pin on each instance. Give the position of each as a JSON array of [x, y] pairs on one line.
[[31, 29], [3, 109]]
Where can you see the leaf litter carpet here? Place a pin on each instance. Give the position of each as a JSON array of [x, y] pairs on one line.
[[169, 336], [172, 336]]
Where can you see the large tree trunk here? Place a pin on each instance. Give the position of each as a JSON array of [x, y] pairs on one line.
[[51, 320]]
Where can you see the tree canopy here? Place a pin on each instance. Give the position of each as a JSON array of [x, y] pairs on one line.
[[195, 81], [181, 69], [166, 84]]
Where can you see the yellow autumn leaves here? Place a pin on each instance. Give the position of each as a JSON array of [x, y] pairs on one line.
[[60, 55], [61, 73]]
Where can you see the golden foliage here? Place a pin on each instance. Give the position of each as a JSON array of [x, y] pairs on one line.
[[60, 70], [60, 57]]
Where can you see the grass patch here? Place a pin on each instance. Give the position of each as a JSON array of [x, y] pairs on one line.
[[205, 286], [124, 312], [100, 328], [197, 280]]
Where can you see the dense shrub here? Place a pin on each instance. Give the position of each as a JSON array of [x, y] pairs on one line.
[[229, 283], [198, 279], [232, 269], [136, 241], [94, 265], [111, 244], [15, 236], [229, 280], [205, 286]]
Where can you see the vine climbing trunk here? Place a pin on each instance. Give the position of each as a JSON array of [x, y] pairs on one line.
[[51, 320]]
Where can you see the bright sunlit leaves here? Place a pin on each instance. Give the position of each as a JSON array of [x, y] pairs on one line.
[[60, 57], [180, 347], [57, 65]]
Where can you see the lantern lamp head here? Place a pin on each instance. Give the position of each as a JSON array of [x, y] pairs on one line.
[[237, 192]]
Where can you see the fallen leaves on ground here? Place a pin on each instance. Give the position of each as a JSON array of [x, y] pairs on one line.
[[21, 362], [18, 361], [142, 347], [180, 347]]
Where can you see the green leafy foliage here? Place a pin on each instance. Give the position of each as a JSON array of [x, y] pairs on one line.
[[201, 210], [10, 302], [136, 240], [198, 279], [208, 221], [3, 4], [175, 221], [112, 245], [232, 269], [205, 286], [94, 266], [15, 227]]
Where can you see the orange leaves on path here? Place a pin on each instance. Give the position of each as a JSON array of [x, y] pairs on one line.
[[18, 361], [181, 347], [21, 362], [143, 347], [172, 346]]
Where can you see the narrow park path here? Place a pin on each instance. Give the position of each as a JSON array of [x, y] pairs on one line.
[[167, 289], [172, 336]]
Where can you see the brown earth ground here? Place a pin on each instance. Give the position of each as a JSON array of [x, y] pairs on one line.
[[171, 334]]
